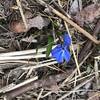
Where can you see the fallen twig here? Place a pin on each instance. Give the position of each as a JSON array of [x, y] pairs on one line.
[[76, 88], [19, 89], [88, 45], [21, 53], [75, 58], [85, 33], [22, 14]]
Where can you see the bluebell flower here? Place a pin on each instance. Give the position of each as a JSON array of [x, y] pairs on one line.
[[61, 51]]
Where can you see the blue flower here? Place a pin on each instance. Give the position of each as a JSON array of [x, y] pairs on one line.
[[61, 51]]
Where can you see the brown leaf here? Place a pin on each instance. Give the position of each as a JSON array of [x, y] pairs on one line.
[[88, 14], [76, 6], [18, 26], [38, 22]]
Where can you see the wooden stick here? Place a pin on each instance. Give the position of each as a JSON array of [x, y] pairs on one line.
[[22, 14], [22, 88], [96, 73], [89, 44], [85, 33], [74, 25], [76, 88], [75, 58]]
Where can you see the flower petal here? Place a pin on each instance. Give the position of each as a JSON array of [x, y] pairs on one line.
[[58, 48], [59, 58], [57, 54], [66, 55], [67, 40]]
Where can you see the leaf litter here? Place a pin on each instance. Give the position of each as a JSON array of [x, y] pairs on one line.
[[27, 68]]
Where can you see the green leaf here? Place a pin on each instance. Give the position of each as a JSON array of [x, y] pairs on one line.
[[49, 46]]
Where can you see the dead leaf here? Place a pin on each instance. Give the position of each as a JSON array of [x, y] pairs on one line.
[[76, 6], [88, 14], [38, 22], [54, 88], [18, 26]]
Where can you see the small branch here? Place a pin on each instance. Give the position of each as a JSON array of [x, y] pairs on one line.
[[89, 45], [85, 33], [75, 58], [39, 96], [23, 57], [76, 88], [22, 14], [59, 7], [23, 52], [19, 89], [96, 73]]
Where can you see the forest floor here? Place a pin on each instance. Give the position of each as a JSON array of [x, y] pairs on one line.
[[49, 49]]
